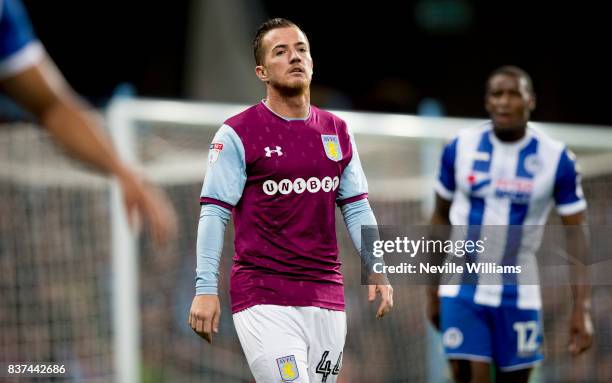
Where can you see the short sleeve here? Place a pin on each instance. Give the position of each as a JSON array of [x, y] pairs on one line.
[[445, 184], [353, 183], [226, 173], [19, 48], [568, 194]]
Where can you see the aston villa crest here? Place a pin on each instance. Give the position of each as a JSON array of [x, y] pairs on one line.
[[288, 369], [332, 147]]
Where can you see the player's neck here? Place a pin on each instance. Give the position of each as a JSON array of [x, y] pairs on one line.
[[510, 136], [289, 107]]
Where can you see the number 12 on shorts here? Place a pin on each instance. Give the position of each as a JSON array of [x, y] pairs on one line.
[[324, 366], [527, 336]]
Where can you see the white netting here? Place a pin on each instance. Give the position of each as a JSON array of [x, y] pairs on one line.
[[55, 262]]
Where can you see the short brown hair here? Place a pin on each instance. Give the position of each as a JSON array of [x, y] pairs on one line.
[[264, 28]]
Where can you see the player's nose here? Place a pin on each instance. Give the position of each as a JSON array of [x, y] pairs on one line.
[[294, 57], [504, 99]]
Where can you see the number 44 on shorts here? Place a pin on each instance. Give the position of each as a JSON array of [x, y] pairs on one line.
[[324, 366]]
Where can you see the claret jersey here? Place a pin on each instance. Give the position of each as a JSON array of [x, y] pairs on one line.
[[282, 179]]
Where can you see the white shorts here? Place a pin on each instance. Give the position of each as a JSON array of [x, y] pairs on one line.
[[292, 344]]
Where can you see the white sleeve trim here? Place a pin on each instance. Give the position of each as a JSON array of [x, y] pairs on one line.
[[572, 208], [21, 60], [443, 191]]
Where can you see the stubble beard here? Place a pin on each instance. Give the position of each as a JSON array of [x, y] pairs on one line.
[[293, 89]]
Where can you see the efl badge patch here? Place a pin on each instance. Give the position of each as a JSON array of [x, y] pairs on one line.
[[288, 368], [332, 147], [214, 152]]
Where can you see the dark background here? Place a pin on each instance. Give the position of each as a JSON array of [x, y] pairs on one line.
[[383, 56]]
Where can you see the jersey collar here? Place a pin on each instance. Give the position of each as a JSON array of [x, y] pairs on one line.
[[511, 145], [263, 102]]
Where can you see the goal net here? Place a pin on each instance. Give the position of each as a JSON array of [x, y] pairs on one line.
[[77, 288]]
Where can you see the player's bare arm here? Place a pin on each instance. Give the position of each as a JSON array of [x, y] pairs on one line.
[[439, 217], [581, 325], [42, 90]]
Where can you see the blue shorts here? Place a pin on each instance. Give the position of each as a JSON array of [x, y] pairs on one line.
[[507, 336]]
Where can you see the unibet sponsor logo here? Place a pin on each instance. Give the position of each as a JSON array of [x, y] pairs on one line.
[[300, 185]]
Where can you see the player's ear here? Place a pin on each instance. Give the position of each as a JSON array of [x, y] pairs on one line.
[[261, 73], [532, 102]]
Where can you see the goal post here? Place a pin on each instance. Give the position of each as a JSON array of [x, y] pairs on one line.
[[381, 138], [78, 288], [126, 304]]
